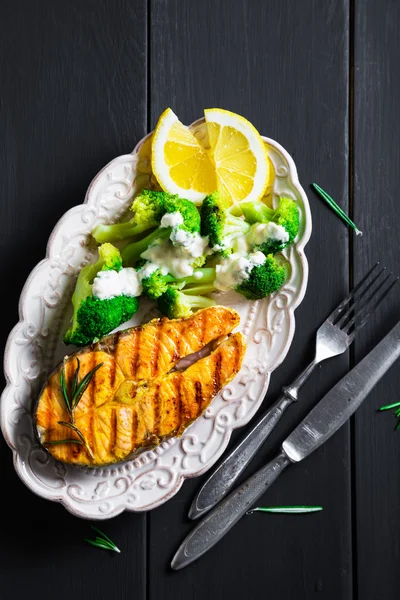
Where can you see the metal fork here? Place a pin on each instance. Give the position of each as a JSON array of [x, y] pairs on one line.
[[334, 336]]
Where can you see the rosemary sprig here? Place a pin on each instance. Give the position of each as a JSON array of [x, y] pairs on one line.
[[335, 207], [102, 541], [289, 510], [71, 400]]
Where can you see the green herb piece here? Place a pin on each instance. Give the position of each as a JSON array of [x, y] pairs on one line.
[[335, 207], [78, 388], [290, 510], [74, 384], [102, 541], [64, 390], [79, 434], [62, 442], [389, 406]]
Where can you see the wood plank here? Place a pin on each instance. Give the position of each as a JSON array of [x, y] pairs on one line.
[[74, 96], [376, 161], [286, 71]]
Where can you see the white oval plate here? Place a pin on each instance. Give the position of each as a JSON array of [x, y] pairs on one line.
[[35, 346]]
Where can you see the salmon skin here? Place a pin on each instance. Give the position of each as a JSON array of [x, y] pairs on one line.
[[135, 399]]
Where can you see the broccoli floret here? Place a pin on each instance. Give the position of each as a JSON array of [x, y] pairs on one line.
[[285, 215], [175, 304], [95, 318], [191, 223], [92, 318], [263, 279], [156, 283], [220, 225], [110, 257], [147, 208], [189, 212]]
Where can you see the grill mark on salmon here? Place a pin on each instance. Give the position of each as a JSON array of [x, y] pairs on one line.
[[91, 392], [203, 328], [236, 366], [113, 373], [178, 404], [217, 374], [149, 409], [154, 365], [198, 394], [136, 355]]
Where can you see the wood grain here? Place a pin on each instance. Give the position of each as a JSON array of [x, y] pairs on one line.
[[73, 96], [80, 86], [285, 70], [376, 188]]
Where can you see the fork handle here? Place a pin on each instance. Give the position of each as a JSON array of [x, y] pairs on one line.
[[224, 516], [223, 478]]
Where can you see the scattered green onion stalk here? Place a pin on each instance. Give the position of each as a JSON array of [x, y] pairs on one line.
[[102, 541], [288, 510], [395, 405], [335, 207]]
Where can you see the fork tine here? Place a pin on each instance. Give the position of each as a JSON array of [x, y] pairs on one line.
[[358, 326], [336, 313], [359, 308], [354, 305]]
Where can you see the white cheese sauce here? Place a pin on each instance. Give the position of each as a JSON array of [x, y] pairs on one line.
[[176, 260], [108, 284], [235, 269], [171, 219], [260, 232], [192, 243]]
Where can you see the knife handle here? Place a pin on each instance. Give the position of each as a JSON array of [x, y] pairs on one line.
[[224, 516], [223, 478]]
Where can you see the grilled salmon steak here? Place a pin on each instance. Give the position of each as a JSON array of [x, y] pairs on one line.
[[133, 400]]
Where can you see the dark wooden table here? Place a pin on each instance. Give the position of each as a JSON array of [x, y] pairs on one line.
[[81, 82]]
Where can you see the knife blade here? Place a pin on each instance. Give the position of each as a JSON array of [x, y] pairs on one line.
[[335, 408]]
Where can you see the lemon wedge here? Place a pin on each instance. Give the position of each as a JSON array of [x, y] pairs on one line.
[[233, 161], [179, 163], [239, 154]]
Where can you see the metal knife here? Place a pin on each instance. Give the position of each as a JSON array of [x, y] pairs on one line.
[[335, 408]]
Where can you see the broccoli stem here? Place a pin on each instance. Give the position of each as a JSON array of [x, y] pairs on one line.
[[200, 276], [199, 301], [199, 290], [131, 253], [120, 231], [235, 225], [257, 212], [83, 289], [200, 285]]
